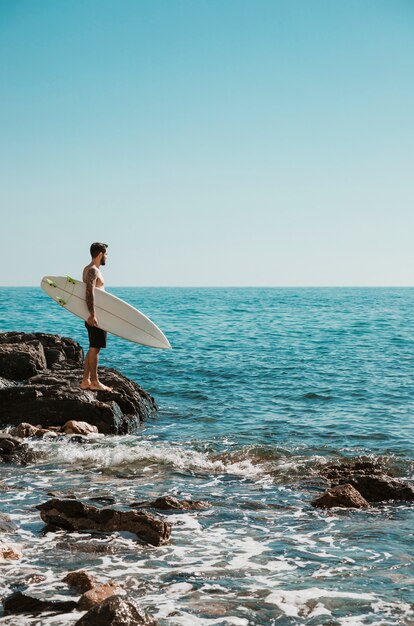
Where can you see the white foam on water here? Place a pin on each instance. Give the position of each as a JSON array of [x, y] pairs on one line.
[[294, 603]]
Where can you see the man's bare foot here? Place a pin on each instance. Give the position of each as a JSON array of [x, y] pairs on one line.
[[85, 384], [98, 386]]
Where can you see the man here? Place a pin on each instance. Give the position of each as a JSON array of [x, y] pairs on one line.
[[93, 278]]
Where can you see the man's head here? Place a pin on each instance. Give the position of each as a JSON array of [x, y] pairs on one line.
[[99, 250]]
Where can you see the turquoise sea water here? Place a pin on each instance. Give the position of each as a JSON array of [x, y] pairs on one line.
[[262, 388]]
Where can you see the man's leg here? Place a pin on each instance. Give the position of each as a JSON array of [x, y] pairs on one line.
[[86, 373], [95, 383]]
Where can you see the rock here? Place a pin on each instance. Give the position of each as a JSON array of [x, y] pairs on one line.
[[13, 450], [344, 496], [75, 546], [53, 397], [381, 488], [18, 602], [24, 430], [80, 580], [79, 428], [169, 503], [6, 524], [9, 553], [116, 611], [97, 595], [33, 579], [57, 349], [340, 471], [74, 515], [20, 361]]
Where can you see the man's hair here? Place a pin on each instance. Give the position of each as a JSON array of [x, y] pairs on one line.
[[97, 247]]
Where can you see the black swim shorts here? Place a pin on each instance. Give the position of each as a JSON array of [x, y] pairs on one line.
[[97, 336]]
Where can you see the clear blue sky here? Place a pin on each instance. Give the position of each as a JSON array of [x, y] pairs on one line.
[[209, 142]]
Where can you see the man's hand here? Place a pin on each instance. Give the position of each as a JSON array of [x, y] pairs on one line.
[[92, 321]]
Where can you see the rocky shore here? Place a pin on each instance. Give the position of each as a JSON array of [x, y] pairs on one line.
[[40, 398], [39, 385]]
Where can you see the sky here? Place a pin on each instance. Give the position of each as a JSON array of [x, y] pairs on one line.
[[208, 142]]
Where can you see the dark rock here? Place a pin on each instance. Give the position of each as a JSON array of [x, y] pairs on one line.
[[57, 349], [381, 488], [341, 471], [20, 603], [96, 595], [80, 581], [20, 361], [52, 398], [169, 503], [74, 515], [6, 524], [344, 496], [13, 450], [116, 611]]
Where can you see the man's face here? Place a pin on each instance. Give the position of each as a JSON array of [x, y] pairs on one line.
[[103, 259]]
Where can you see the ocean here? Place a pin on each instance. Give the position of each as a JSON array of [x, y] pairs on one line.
[[264, 387]]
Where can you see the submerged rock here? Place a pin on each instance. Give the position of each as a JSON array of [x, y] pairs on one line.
[[6, 524], [344, 496], [9, 552], [18, 602], [49, 370], [169, 503], [74, 515], [13, 450], [116, 611]]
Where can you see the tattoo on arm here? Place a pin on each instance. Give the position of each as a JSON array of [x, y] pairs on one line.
[[90, 288]]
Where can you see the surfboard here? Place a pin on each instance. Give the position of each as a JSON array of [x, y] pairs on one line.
[[113, 314]]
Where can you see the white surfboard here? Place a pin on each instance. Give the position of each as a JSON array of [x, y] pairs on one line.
[[113, 314]]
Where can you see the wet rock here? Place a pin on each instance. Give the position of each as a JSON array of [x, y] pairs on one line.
[[24, 430], [6, 524], [97, 595], [20, 361], [381, 488], [81, 581], [33, 579], [74, 515], [87, 547], [116, 611], [79, 428], [53, 397], [341, 471], [344, 496], [9, 552], [18, 602], [13, 450], [169, 503]]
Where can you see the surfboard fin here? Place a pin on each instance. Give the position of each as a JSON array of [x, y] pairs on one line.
[[61, 301], [71, 280], [50, 282]]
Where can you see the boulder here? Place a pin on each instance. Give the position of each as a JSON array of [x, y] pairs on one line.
[[381, 488], [13, 450], [97, 595], [74, 515], [116, 611], [24, 430], [80, 581], [79, 428], [344, 496], [18, 602], [56, 349], [21, 361], [52, 397]]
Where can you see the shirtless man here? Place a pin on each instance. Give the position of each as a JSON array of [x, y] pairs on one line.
[[93, 278]]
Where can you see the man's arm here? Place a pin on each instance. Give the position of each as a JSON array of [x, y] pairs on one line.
[[90, 295]]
